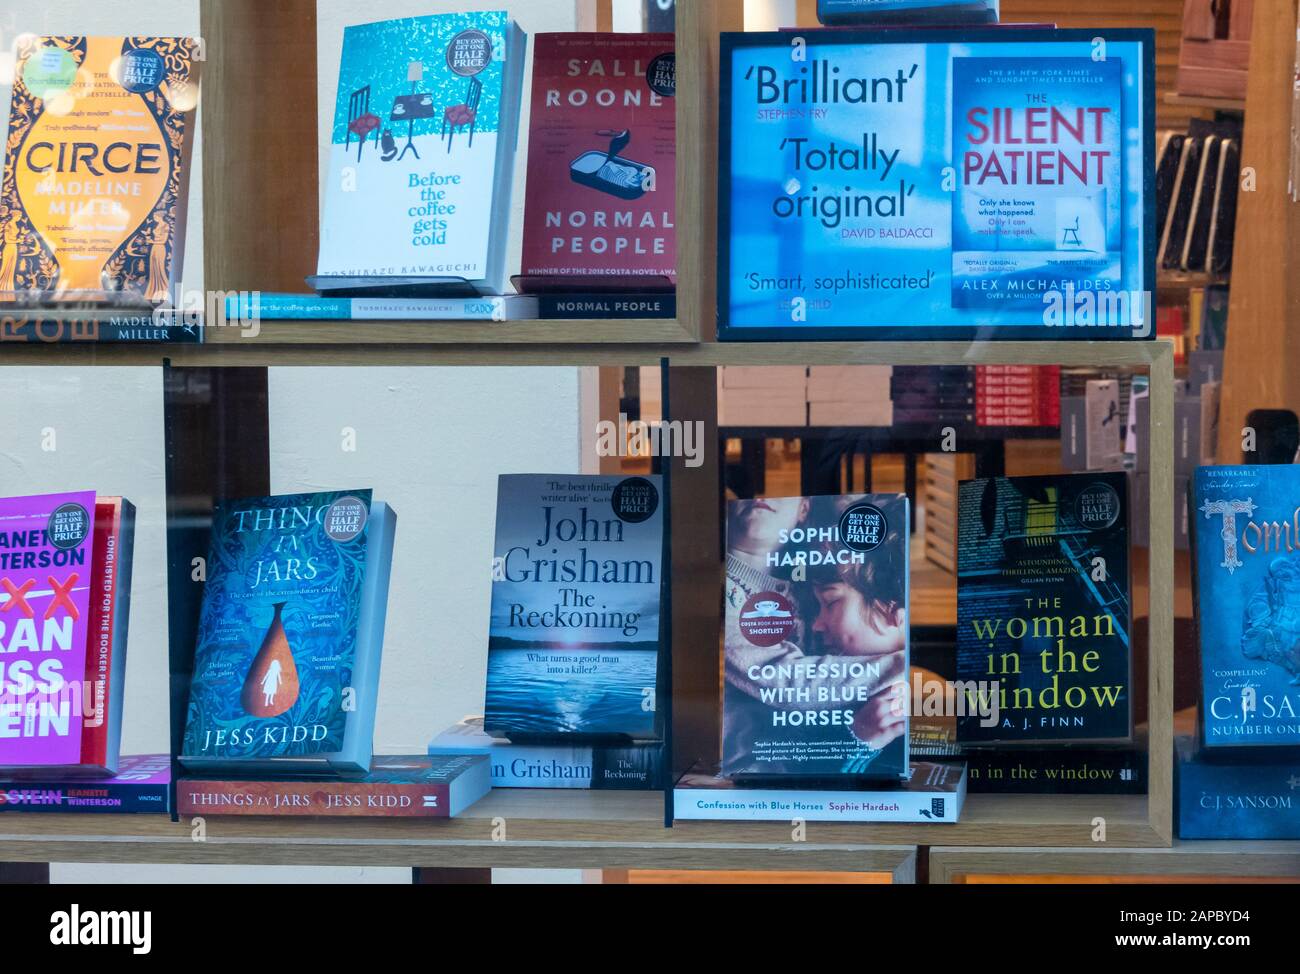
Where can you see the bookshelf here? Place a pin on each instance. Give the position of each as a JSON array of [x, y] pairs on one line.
[[268, 50], [1225, 862]]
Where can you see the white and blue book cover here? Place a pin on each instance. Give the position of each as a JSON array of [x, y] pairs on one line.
[[1038, 144], [421, 149], [573, 642], [936, 184], [1247, 599]]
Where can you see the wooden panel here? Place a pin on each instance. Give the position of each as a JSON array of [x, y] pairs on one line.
[[697, 574], [1165, 16], [698, 24], [572, 829], [1261, 365], [1190, 861], [259, 144]]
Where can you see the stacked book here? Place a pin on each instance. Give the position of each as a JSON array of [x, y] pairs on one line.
[[933, 394], [849, 395], [762, 395], [1197, 176], [1017, 395]]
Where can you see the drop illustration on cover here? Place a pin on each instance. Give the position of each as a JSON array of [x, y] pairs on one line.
[[271, 686]]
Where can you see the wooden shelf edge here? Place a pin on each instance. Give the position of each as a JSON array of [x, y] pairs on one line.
[[1205, 101], [254, 352], [1245, 859]]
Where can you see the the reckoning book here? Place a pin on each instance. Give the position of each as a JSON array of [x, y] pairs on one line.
[[815, 644], [577, 576], [1246, 562], [92, 204], [1043, 612], [286, 667]]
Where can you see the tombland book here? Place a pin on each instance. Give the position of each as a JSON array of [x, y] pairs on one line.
[[577, 581], [1246, 565], [286, 666], [815, 644], [421, 150], [419, 786], [600, 203], [931, 183], [931, 791], [1044, 652], [142, 784], [65, 584], [92, 204]]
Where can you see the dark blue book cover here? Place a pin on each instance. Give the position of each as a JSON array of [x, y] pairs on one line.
[[1043, 612], [573, 643], [815, 638], [142, 784], [1247, 566], [286, 662], [1237, 800]]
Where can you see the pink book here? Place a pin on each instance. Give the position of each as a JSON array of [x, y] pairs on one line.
[[46, 563]]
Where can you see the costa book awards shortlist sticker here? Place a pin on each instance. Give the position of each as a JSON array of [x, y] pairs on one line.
[[766, 618]]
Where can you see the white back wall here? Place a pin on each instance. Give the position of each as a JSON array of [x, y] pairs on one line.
[[430, 441]]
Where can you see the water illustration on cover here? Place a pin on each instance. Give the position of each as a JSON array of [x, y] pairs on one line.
[[573, 645], [278, 629]]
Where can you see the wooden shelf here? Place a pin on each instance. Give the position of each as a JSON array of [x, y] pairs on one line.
[[564, 829], [616, 331], [1205, 102], [406, 347], [1245, 859]]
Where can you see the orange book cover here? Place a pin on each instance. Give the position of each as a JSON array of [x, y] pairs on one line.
[[96, 174]]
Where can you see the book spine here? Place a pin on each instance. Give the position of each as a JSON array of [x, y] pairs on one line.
[[151, 328], [310, 307], [99, 641], [599, 305], [769, 805], [299, 798], [88, 798], [1075, 772]]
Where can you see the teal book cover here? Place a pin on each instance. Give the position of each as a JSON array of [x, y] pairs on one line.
[[421, 148], [278, 630], [1246, 521]]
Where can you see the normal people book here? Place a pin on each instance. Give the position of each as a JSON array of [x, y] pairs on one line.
[[1044, 648], [421, 152], [1246, 567], [577, 581], [977, 183], [286, 666], [815, 644]]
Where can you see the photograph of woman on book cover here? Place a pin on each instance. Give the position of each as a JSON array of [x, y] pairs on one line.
[[831, 615]]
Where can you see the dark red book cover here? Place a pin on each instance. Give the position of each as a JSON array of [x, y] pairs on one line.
[[99, 641], [437, 786], [602, 147]]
